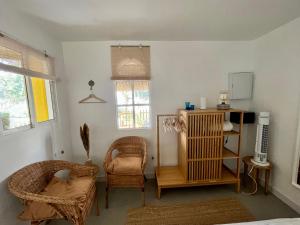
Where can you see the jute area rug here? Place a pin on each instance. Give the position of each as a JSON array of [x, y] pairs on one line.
[[219, 211]]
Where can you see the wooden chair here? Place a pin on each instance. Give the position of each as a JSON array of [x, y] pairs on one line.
[[124, 164], [29, 182]]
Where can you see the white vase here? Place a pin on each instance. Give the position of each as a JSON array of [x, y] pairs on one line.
[[203, 103]]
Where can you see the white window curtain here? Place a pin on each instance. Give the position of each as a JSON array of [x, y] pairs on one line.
[[21, 59], [130, 62]]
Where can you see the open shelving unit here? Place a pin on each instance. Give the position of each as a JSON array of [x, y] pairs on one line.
[[201, 151]]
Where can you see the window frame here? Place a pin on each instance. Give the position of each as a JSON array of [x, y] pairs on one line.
[[133, 106], [25, 127], [31, 108], [27, 74]]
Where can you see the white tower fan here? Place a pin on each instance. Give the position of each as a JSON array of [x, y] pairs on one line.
[[262, 135]]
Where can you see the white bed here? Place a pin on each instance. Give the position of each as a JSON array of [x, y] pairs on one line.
[[285, 221]]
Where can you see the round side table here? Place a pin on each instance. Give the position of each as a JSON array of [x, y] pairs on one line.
[[256, 170]]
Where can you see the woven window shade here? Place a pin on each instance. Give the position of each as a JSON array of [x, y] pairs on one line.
[[10, 57], [38, 63], [21, 59], [130, 62]]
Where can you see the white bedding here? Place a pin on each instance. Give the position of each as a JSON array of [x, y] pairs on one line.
[[285, 221]]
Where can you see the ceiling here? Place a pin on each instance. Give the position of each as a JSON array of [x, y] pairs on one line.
[[188, 20]]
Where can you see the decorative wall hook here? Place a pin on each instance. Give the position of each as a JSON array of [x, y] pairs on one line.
[[92, 98]]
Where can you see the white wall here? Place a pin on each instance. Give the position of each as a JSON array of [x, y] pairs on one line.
[[20, 149], [184, 71], [277, 69], [181, 71]]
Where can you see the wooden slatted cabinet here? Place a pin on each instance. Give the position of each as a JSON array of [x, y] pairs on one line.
[[201, 152]]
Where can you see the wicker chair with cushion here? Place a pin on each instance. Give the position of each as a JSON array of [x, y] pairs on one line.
[[48, 197], [125, 163]]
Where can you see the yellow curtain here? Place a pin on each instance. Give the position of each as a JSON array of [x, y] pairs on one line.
[[40, 99]]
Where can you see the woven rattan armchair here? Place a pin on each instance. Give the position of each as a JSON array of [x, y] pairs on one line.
[[28, 182], [132, 152]]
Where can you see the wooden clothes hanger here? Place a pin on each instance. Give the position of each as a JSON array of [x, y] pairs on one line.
[[92, 98]]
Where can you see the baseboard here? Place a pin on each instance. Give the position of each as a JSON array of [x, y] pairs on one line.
[[286, 200], [282, 197]]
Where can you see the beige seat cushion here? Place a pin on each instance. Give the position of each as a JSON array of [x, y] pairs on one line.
[[126, 165], [75, 188], [38, 211]]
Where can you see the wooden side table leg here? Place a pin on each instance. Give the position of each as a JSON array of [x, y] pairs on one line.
[[267, 178]]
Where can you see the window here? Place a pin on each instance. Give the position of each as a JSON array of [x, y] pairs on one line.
[[10, 57], [24, 70], [130, 67], [14, 110], [133, 104]]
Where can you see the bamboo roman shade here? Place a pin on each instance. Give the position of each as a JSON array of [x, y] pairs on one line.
[[130, 62], [21, 59], [138, 85], [11, 57]]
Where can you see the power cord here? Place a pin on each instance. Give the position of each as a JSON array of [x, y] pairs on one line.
[[254, 180]]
